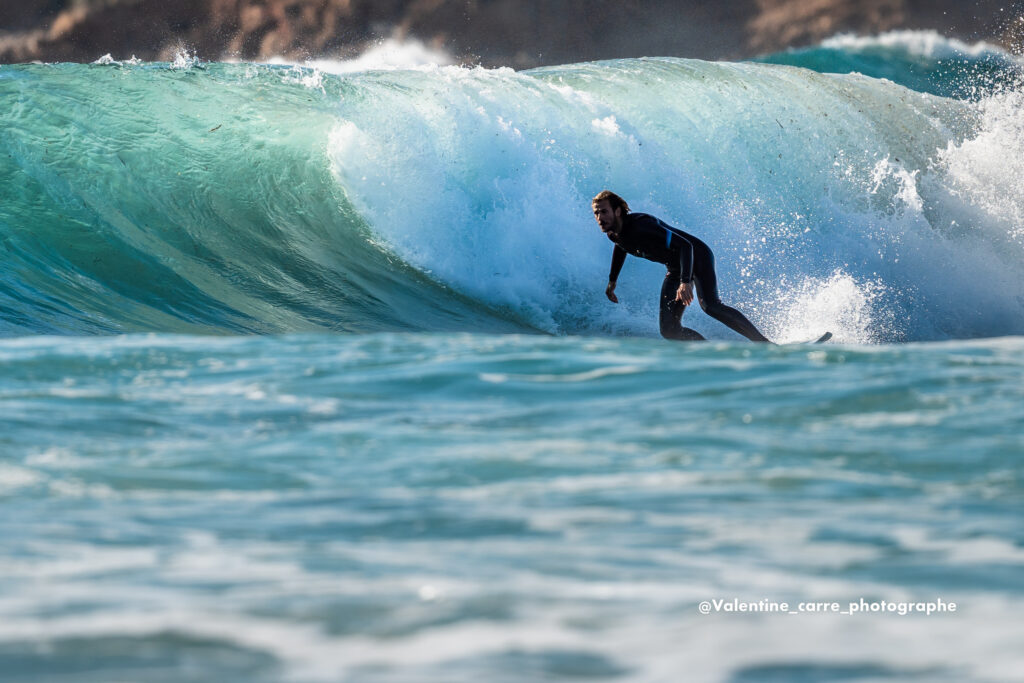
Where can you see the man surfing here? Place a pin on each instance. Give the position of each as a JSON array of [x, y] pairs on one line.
[[690, 263]]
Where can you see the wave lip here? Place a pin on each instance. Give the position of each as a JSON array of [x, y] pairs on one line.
[[928, 44], [387, 55]]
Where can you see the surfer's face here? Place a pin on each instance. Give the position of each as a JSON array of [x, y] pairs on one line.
[[609, 220]]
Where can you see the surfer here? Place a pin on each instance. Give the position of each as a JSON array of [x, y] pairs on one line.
[[691, 265]]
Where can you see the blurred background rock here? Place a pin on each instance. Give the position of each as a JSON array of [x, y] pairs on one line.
[[517, 33]]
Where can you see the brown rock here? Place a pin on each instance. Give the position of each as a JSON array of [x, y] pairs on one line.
[[778, 24], [519, 33]]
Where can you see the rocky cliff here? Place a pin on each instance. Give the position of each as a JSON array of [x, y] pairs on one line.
[[519, 33]]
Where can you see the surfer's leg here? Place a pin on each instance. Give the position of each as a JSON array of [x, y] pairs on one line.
[[670, 312], [706, 285]]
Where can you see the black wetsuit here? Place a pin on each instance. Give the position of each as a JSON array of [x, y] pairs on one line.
[[688, 260]]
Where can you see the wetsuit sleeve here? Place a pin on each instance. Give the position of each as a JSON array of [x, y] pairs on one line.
[[685, 258], [618, 258]]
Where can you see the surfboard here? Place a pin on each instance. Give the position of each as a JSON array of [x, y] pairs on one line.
[[823, 338]]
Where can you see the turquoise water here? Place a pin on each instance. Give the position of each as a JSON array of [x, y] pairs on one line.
[[309, 376], [924, 61]]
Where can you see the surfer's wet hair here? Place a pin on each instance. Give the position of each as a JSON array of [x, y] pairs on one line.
[[614, 200]]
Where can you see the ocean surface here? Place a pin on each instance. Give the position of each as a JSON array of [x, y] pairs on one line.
[[307, 372]]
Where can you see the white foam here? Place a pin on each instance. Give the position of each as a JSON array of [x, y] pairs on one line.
[[929, 44], [13, 477], [586, 376], [78, 560], [57, 458], [986, 171], [108, 60], [839, 303], [608, 125], [184, 60], [654, 634], [387, 55]]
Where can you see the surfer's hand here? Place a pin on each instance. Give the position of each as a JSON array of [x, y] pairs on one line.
[[685, 293], [610, 293]]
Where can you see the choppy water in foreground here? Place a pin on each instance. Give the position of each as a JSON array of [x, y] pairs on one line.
[[457, 507]]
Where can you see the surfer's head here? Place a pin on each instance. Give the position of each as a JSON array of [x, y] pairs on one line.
[[609, 210]]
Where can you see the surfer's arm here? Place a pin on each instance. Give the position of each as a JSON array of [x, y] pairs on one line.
[[685, 258], [618, 258], [684, 294]]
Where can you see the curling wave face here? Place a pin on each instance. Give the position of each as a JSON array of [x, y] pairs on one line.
[[250, 198]]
